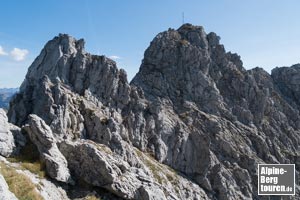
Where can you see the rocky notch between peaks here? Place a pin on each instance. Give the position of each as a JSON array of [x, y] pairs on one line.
[[192, 124]]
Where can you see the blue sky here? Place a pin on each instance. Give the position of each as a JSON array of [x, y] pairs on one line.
[[264, 33]]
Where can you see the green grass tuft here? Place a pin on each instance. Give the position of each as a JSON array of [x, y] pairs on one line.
[[29, 159], [19, 184]]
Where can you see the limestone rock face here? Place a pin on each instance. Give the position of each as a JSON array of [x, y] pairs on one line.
[[63, 60], [192, 124], [234, 117], [11, 138], [287, 79], [7, 143], [41, 135]]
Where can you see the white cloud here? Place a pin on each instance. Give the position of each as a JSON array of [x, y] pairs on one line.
[[2, 52], [115, 57], [19, 54]]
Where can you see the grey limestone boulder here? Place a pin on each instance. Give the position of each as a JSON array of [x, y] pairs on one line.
[[11, 138], [41, 135]]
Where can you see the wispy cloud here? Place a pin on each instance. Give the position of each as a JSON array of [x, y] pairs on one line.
[[19, 54], [2, 52], [115, 57]]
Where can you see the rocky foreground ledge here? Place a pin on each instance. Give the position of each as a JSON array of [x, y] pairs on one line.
[[192, 124]]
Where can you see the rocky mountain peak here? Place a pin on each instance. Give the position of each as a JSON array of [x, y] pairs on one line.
[[192, 124], [56, 50], [287, 79], [64, 61], [55, 54], [186, 65], [195, 35], [66, 43]]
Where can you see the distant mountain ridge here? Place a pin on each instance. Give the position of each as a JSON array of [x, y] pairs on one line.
[[5, 96], [9, 90]]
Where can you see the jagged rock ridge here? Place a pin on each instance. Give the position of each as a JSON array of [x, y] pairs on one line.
[[192, 124]]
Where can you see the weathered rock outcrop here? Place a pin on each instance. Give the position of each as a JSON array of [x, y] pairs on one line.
[[7, 143], [192, 124], [234, 118], [41, 135], [11, 138]]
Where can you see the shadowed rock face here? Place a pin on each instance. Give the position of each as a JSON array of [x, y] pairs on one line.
[[192, 106]]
